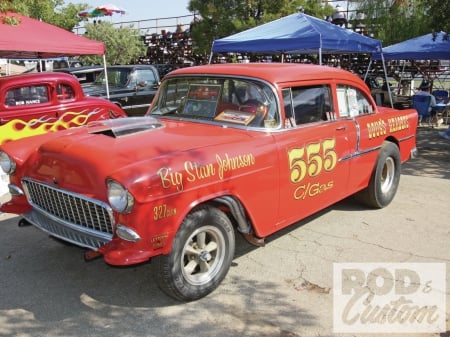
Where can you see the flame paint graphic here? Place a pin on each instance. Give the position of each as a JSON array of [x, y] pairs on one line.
[[17, 128]]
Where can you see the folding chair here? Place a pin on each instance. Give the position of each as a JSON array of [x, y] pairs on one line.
[[440, 95], [422, 104], [441, 100]]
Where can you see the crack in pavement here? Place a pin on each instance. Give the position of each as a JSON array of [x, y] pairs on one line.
[[355, 238]]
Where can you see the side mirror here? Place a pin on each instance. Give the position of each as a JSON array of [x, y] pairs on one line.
[[142, 84]]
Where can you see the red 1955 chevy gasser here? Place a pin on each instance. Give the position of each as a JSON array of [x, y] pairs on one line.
[[246, 147]]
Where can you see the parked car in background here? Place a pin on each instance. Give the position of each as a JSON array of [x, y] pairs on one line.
[[225, 148], [131, 87], [35, 103], [84, 74]]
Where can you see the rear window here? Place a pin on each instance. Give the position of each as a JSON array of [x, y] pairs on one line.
[[29, 95], [352, 102], [64, 92]]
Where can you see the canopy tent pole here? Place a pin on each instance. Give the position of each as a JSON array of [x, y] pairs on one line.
[[401, 76], [106, 75], [386, 79], [367, 71], [210, 58]]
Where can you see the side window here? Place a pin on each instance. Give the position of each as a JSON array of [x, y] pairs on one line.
[[36, 94], [307, 104], [145, 78], [352, 102], [288, 110], [64, 92]]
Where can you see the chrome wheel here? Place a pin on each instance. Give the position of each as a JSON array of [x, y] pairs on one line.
[[203, 255], [387, 175]]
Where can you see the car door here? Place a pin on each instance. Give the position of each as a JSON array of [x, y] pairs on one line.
[[314, 153], [356, 105]]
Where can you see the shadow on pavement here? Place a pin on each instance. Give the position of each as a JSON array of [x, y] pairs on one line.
[[434, 155]]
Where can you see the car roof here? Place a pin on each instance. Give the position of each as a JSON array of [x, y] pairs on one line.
[[272, 72], [132, 66], [82, 69], [33, 77]]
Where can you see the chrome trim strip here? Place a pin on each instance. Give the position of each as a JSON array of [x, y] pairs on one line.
[[406, 138], [360, 153], [358, 135]]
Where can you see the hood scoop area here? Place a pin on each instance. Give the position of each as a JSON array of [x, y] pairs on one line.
[[121, 127]]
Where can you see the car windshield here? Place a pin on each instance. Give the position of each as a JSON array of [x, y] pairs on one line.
[[118, 77], [221, 99]]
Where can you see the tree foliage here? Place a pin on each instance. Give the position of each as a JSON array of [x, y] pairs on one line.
[[123, 45], [220, 18], [396, 21], [439, 15], [51, 11]]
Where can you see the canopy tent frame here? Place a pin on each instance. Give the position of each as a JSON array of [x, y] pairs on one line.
[[25, 41], [432, 46]]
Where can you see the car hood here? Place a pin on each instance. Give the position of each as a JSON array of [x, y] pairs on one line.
[[130, 150]]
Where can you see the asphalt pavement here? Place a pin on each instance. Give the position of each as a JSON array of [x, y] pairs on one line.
[[284, 289]]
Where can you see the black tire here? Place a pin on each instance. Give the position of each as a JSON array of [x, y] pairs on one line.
[[385, 178], [201, 255]]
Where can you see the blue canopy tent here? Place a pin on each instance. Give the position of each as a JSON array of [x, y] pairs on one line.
[[297, 33], [426, 47], [432, 46]]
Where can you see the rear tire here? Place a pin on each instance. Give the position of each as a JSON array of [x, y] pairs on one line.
[[385, 178], [201, 255]]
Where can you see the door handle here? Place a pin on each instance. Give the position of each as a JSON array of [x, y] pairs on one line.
[[341, 128]]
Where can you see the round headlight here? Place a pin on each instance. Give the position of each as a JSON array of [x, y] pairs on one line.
[[6, 163], [119, 198]]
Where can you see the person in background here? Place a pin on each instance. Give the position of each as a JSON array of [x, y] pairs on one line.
[[424, 89]]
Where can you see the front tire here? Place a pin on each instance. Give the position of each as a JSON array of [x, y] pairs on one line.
[[385, 178], [201, 255]]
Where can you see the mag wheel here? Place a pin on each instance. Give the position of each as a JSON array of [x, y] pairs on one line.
[[201, 255]]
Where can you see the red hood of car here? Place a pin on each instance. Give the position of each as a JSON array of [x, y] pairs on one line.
[[126, 149]]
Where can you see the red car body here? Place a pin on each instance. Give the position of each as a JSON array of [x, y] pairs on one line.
[[174, 185], [36, 103]]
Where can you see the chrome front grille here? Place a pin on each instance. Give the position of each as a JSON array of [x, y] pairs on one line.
[[90, 222]]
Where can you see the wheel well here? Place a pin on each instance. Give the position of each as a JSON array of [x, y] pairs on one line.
[[393, 140], [235, 211]]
